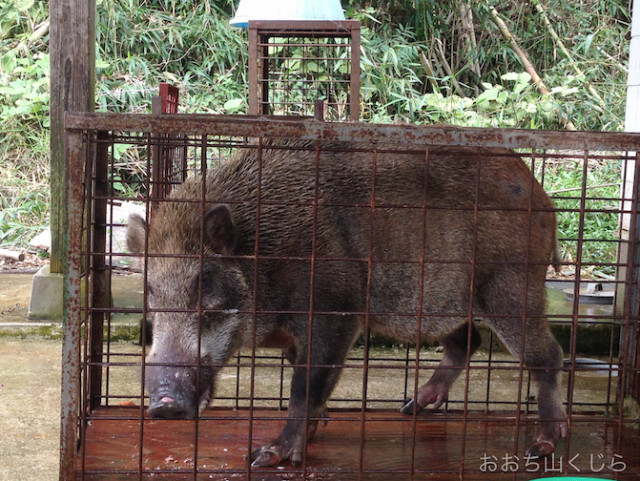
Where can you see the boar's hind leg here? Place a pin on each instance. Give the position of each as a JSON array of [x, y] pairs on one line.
[[329, 348], [436, 390], [542, 353]]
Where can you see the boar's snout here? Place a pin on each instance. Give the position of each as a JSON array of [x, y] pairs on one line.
[[171, 407], [173, 393]]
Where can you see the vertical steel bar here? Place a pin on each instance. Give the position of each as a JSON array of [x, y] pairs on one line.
[[354, 79], [254, 54], [70, 402], [423, 254], [367, 317], [578, 281], [99, 282], [254, 306], [85, 249], [200, 312], [472, 288], [264, 102], [632, 349], [631, 314], [318, 110], [631, 307], [158, 159], [312, 286], [145, 302], [525, 300]]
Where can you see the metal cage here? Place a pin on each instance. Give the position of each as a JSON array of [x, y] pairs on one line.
[[293, 63], [489, 417]]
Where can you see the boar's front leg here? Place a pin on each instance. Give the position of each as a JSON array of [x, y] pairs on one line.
[[329, 348]]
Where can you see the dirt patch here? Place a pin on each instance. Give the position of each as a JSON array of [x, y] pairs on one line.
[[30, 264], [15, 292], [29, 409]]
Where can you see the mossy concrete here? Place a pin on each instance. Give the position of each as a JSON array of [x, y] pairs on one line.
[[47, 296], [594, 337]]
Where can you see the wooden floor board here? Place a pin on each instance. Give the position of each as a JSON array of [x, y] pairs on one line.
[[118, 446]]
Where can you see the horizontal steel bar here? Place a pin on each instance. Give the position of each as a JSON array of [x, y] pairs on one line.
[[310, 129]]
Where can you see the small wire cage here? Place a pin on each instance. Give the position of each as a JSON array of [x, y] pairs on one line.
[[490, 416], [169, 167], [293, 63]]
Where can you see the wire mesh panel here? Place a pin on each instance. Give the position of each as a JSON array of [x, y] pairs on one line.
[[169, 166], [294, 63], [317, 290]]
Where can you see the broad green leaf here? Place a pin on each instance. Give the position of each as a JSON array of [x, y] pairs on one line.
[[510, 76], [8, 62], [524, 77], [24, 5], [233, 105]]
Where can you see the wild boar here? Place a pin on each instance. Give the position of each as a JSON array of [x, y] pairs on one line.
[[299, 248]]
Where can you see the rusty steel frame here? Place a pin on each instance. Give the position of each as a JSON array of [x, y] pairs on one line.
[[309, 129], [261, 31], [89, 136], [169, 161]]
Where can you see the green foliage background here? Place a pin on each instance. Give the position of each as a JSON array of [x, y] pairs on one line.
[[190, 44]]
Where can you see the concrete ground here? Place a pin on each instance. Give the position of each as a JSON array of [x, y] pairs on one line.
[[29, 409], [29, 387], [15, 293]]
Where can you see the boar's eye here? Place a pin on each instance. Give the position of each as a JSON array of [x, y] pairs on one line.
[[208, 287], [206, 283]]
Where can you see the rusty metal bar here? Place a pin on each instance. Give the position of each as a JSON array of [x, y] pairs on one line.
[[354, 101], [318, 28], [262, 81], [170, 98], [254, 306], [412, 136], [318, 110], [367, 316], [470, 316], [629, 345], [70, 394], [158, 160], [98, 270], [423, 257], [253, 72]]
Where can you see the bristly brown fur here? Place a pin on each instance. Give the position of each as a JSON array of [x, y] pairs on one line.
[[444, 218]]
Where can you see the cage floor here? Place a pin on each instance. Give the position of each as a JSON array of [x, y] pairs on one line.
[[381, 448]]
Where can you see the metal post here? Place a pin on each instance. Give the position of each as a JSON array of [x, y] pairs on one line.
[[98, 270], [70, 393]]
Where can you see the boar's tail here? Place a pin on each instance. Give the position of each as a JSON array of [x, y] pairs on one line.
[[556, 256]]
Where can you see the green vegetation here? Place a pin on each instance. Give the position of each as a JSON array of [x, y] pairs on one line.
[[423, 61], [24, 119], [602, 189]]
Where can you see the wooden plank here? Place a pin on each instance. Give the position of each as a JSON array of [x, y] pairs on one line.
[[72, 62], [112, 450]]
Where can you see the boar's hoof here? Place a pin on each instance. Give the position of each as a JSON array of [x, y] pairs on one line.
[[272, 455], [540, 449], [433, 394], [410, 406]]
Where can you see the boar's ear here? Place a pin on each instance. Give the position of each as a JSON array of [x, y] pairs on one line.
[[136, 234], [219, 230]]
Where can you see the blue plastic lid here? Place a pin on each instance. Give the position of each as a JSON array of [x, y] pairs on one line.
[[286, 10]]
